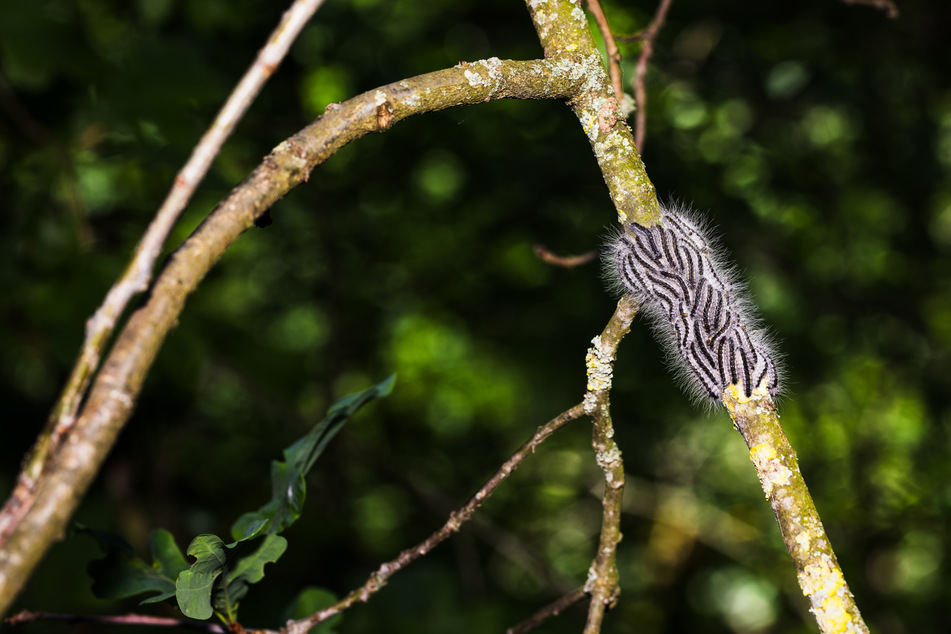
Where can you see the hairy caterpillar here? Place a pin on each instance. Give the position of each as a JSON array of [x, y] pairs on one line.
[[697, 306]]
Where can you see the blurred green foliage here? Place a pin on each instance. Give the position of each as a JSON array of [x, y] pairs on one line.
[[815, 136]]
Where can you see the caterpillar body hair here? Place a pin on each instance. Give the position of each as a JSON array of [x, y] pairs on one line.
[[699, 309]]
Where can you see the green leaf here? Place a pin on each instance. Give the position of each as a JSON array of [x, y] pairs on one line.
[[251, 567], [288, 486], [167, 560], [122, 573], [194, 586], [221, 574], [245, 571]]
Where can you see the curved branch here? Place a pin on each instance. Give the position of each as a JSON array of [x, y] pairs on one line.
[[38, 516], [567, 261]]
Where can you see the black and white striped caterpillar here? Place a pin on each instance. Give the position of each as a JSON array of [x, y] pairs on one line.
[[698, 308]]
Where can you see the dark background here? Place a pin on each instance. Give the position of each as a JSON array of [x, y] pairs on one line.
[[815, 136]]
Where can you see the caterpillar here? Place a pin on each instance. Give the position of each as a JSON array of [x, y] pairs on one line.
[[699, 309]]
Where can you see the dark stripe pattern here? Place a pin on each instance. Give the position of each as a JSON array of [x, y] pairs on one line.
[[674, 271]]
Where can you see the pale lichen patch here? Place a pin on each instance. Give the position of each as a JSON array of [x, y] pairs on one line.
[[592, 578], [590, 403], [803, 540], [578, 15], [772, 472], [493, 73], [589, 123], [822, 582], [475, 79], [598, 361], [608, 457]]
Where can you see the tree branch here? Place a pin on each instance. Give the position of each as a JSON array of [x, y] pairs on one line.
[[552, 609], [128, 619], [378, 579], [602, 583], [563, 31], [566, 261], [610, 48], [640, 73], [888, 6], [137, 274], [561, 28], [817, 569], [36, 516]]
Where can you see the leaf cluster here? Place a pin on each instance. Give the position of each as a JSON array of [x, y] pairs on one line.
[[222, 573]]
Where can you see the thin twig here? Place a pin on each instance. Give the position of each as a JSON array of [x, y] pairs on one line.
[[522, 554], [566, 261], [602, 583], [888, 6], [27, 616], [610, 48], [552, 609], [378, 579], [137, 274], [640, 73]]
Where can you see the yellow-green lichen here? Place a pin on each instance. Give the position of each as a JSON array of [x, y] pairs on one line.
[[598, 361]]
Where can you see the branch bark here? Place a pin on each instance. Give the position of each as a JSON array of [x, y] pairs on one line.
[[137, 275], [563, 30], [135, 278], [456, 519], [552, 609], [37, 516], [603, 579], [777, 466], [45, 500]]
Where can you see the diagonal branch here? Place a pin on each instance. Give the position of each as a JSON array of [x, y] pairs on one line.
[[137, 274], [640, 73], [456, 519], [610, 48], [552, 609], [563, 30], [777, 466], [39, 517]]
